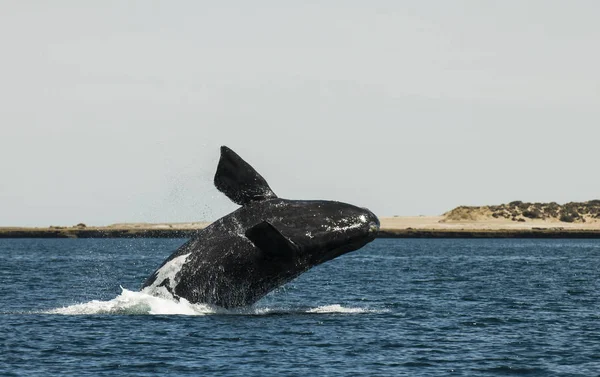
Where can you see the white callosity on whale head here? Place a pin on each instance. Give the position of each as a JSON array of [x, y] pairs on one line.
[[347, 223], [168, 271]]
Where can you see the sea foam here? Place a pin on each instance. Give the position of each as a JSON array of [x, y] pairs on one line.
[[130, 302], [142, 303]]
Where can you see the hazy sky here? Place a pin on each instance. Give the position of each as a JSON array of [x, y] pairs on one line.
[[114, 111]]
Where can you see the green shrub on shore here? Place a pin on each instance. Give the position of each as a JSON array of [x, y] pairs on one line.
[[572, 212]]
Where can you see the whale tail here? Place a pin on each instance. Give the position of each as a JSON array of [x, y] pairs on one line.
[[239, 181]]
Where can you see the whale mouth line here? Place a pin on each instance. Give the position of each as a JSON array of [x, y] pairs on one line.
[[345, 248]]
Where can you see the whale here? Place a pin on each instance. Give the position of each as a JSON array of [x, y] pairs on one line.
[[265, 243]]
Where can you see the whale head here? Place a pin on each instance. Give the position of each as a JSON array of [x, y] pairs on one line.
[[315, 231], [342, 228]]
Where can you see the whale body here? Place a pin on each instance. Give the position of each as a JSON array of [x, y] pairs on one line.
[[264, 244]]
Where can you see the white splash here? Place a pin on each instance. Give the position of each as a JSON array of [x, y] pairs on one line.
[[142, 303], [130, 302], [338, 309]]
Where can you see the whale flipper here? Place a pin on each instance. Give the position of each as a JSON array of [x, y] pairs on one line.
[[239, 181], [271, 242]]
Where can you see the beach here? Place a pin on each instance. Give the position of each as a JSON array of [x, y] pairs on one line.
[[391, 227]]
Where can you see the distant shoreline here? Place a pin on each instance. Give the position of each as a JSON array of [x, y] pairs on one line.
[[391, 227]]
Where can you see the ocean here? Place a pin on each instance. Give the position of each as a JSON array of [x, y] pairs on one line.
[[397, 307]]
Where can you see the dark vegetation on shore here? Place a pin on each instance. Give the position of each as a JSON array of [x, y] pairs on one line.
[[573, 212]]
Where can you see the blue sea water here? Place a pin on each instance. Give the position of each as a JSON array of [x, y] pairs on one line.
[[71, 307]]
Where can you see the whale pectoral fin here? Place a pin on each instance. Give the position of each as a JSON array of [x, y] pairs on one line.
[[271, 242], [239, 181]]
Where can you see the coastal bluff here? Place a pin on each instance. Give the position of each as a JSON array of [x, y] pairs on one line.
[[512, 220]]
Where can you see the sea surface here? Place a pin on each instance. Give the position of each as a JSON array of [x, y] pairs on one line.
[[72, 307]]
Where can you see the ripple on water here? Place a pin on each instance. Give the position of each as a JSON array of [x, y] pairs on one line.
[[396, 307]]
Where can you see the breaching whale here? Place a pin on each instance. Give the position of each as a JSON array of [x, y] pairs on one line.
[[264, 244]]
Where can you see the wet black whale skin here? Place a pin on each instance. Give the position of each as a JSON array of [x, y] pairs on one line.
[[265, 243]]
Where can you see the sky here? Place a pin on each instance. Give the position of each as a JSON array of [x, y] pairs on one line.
[[114, 111]]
